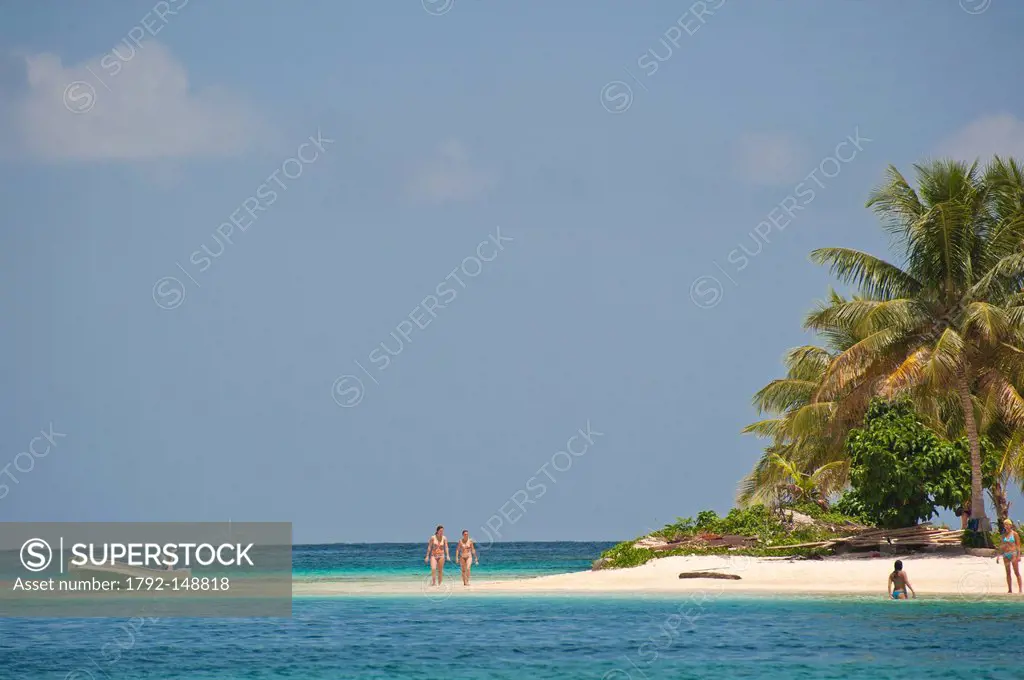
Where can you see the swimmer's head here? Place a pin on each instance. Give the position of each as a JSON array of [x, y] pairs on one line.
[[899, 565]]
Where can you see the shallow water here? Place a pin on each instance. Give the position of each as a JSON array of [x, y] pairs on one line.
[[385, 561], [704, 635]]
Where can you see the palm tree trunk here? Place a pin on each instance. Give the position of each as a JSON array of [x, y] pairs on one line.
[[971, 426]]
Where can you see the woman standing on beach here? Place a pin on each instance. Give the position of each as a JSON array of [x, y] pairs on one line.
[[465, 551], [437, 551], [1011, 554]]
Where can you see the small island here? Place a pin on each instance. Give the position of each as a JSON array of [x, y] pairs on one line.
[[910, 405]]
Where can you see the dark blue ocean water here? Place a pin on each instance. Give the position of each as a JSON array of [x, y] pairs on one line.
[[705, 635]]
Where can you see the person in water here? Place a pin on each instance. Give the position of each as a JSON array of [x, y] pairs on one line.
[[465, 551], [1011, 554], [899, 584], [437, 551]]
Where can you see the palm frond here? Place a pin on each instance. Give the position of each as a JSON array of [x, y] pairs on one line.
[[874, 277]]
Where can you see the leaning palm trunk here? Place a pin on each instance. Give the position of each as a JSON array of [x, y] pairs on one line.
[[1000, 500], [1011, 467]]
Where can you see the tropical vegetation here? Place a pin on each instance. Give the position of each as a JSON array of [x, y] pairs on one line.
[[911, 400], [901, 471], [941, 325], [773, 531]]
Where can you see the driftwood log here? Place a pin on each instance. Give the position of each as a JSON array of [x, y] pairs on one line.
[[708, 574]]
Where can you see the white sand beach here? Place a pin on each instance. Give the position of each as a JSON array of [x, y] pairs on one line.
[[958, 576]]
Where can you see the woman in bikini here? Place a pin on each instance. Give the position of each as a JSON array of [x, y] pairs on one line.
[[437, 551], [465, 551], [1011, 554], [899, 583]]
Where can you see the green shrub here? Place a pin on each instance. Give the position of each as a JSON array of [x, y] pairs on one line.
[[836, 515], [755, 521], [851, 505], [979, 539], [626, 555], [901, 471], [707, 520]]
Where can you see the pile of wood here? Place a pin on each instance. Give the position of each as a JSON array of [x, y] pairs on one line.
[[920, 536]]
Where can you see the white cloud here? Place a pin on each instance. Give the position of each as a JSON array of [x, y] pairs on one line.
[[125, 105], [450, 176], [770, 159], [1001, 134]]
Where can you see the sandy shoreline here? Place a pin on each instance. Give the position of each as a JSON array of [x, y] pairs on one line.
[[970, 578]]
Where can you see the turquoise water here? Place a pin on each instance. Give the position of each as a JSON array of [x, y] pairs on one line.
[[382, 561], [392, 637], [706, 635]]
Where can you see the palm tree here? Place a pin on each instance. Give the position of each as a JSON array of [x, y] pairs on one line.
[[798, 430], [1011, 466], [1009, 444], [805, 430], [815, 487], [947, 324]]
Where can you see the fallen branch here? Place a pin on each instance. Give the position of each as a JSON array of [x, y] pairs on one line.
[[817, 544]]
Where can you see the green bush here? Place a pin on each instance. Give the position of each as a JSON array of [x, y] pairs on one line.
[[979, 539], [836, 515], [625, 555], [755, 521], [707, 520], [901, 471], [851, 505]]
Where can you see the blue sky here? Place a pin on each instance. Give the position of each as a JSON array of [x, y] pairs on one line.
[[620, 300]]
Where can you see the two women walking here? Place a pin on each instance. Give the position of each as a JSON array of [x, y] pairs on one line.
[[438, 552]]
